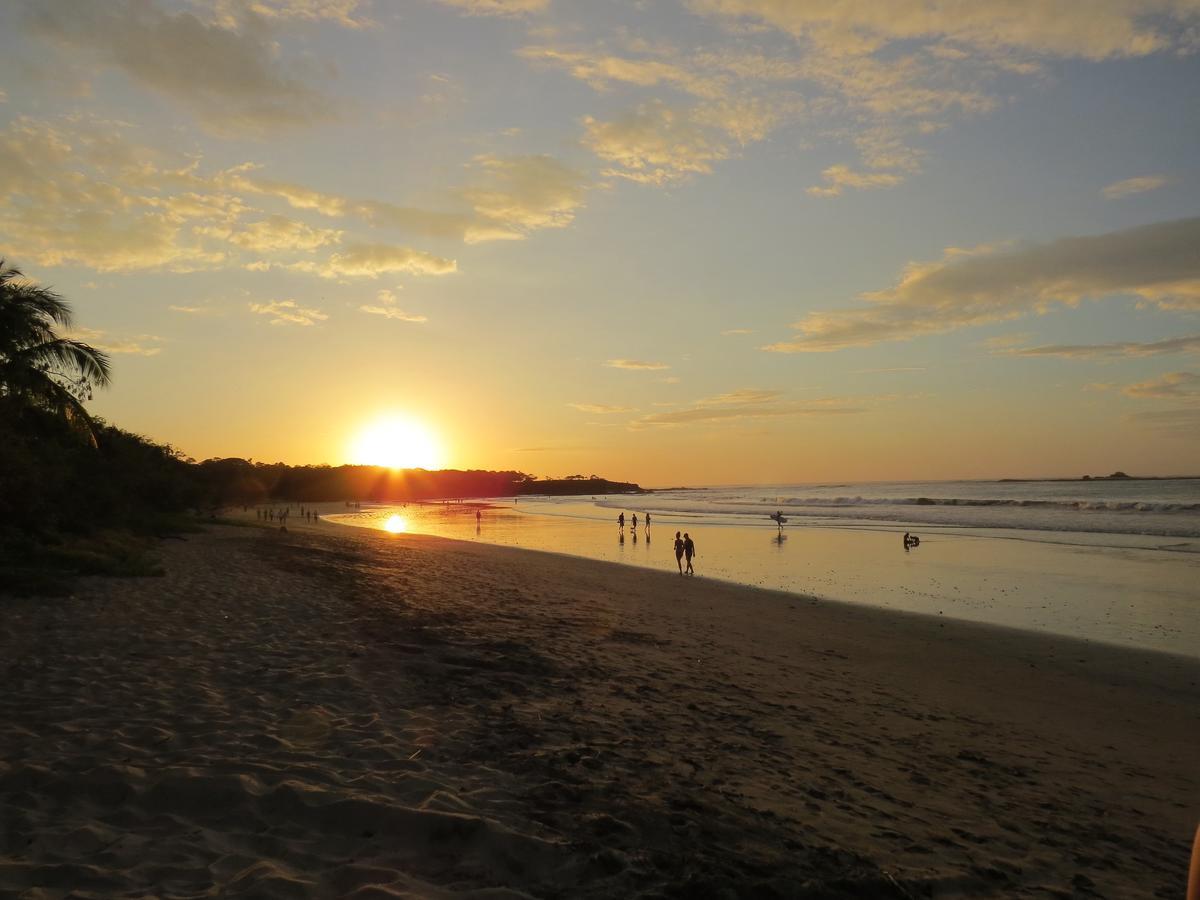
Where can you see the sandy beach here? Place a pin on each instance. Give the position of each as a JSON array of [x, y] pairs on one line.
[[350, 713]]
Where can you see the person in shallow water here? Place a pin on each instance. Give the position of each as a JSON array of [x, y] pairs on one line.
[[634, 523], [689, 550], [679, 552], [621, 521]]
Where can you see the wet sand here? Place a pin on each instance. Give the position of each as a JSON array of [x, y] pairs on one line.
[[1112, 588], [338, 712]]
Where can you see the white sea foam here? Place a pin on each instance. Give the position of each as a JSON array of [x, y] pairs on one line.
[[1166, 508]]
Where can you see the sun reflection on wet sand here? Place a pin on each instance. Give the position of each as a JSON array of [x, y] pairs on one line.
[[396, 524]]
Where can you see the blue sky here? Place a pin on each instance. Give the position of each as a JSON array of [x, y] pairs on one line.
[[695, 241]]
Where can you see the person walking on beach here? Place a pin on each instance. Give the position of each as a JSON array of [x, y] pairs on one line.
[[679, 552], [689, 550], [621, 521], [647, 523], [635, 521]]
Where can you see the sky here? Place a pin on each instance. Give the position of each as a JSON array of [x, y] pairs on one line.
[[667, 241]]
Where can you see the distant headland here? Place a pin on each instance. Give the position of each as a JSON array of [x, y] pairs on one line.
[[1115, 476]]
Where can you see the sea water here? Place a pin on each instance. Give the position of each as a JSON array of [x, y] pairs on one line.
[[1113, 561]]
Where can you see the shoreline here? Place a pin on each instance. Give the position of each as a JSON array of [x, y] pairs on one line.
[[1141, 596], [330, 713]]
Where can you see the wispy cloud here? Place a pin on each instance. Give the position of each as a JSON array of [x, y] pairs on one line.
[[284, 312], [370, 260], [387, 308], [228, 74], [195, 310], [1189, 343], [839, 177], [393, 312], [728, 332], [1171, 386], [1156, 263], [498, 7], [135, 345], [600, 408], [746, 403], [1138, 185], [636, 364]]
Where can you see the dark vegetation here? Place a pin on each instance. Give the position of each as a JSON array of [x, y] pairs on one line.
[[239, 482], [79, 496]]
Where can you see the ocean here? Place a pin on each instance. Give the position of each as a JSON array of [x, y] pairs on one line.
[[1112, 561]]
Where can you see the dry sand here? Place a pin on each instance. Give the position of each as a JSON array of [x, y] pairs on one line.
[[352, 714]]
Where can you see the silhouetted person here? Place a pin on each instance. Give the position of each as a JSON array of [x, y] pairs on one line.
[[647, 523], [621, 521], [906, 540], [679, 552], [478, 516], [689, 550], [635, 521]]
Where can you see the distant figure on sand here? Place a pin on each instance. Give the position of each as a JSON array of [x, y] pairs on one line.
[[689, 550], [679, 552], [911, 540], [621, 521], [478, 516], [779, 519], [635, 521], [647, 523]]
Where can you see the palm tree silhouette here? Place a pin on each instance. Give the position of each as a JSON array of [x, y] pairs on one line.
[[38, 367]]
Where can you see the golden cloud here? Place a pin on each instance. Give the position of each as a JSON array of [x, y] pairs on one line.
[[1156, 263], [284, 312]]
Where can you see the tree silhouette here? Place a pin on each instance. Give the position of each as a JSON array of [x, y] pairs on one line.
[[38, 366]]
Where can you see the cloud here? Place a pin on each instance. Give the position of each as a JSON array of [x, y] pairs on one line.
[[278, 233], [288, 311], [741, 397], [366, 260], [195, 310], [745, 403], [230, 78], [520, 194], [1120, 28], [1171, 386], [732, 331], [509, 198], [498, 7], [878, 76], [389, 310], [137, 345], [636, 364], [600, 408], [1189, 343], [1137, 185], [393, 312], [230, 13], [1157, 263], [654, 144], [839, 177]]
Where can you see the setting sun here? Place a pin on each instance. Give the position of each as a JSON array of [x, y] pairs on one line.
[[399, 443]]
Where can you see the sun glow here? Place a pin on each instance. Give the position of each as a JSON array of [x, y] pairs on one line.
[[399, 443], [396, 524]]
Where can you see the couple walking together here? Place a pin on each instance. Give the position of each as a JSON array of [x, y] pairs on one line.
[[684, 546]]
